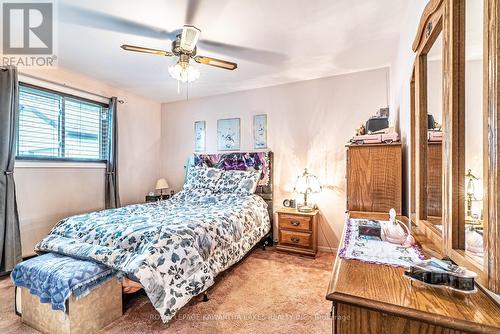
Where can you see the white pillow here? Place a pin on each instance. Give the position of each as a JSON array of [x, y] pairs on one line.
[[203, 178], [239, 181]]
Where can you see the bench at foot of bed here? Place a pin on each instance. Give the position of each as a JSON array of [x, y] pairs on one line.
[[63, 295], [87, 314]]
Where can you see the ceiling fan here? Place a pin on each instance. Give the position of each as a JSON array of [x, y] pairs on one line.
[[184, 43], [184, 47]]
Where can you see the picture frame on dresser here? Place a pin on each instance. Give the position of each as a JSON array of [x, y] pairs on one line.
[[228, 134]]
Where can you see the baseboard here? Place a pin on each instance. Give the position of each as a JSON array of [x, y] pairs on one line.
[[326, 249]]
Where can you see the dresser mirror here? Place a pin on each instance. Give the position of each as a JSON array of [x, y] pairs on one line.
[[473, 140], [456, 89], [427, 106], [434, 94]]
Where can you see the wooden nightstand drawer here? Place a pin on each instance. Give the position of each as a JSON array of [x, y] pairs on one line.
[[296, 239], [294, 222]]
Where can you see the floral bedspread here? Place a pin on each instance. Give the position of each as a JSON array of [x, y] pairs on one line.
[[174, 248]]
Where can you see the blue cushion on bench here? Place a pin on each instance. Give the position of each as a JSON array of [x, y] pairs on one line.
[[54, 277]]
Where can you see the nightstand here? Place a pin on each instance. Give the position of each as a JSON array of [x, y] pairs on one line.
[[155, 198], [297, 231]]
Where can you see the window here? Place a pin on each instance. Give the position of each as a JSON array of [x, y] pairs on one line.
[[58, 126]]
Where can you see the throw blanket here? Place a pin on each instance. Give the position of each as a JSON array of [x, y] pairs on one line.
[[175, 248], [376, 251], [53, 277]]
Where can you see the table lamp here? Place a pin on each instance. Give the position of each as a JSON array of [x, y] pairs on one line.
[[471, 191], [161, 185], [307, 184]]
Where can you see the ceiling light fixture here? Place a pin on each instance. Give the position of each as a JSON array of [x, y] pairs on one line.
[[184, 47], [184, 72]]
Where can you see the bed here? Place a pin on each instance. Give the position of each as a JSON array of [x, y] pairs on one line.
[[176, 248]]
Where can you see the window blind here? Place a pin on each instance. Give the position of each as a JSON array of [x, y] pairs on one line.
[[57, 126]]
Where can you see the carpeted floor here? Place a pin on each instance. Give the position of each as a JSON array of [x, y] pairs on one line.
[[267, 292]]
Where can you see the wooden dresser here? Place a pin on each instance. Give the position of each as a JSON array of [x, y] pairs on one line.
[[434, 184], [297, 231], [374, 177], [371, 298]]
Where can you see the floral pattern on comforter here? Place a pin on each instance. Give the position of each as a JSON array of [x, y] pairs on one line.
[[175, 248]]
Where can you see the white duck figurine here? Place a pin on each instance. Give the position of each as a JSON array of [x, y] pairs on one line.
[[396, 232]]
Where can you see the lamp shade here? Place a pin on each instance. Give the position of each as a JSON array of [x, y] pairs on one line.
[[161, 184], [307, 184], [184, 72]]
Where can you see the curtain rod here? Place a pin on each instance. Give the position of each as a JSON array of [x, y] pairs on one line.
[[65, 86]]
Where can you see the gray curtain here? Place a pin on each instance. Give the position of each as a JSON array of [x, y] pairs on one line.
[[10, 239], [112, 194]]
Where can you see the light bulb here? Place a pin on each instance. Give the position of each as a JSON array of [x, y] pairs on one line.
[[184, 72]]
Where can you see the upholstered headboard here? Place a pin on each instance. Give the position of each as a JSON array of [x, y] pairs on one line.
[[242, 161]]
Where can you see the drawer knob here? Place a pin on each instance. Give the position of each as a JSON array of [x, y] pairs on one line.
[[295, 223], [295, 240]]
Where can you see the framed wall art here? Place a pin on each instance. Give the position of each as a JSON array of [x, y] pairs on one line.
[[199, 136], [260, 131], [228, 134]]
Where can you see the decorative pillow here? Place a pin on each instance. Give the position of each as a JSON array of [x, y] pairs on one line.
[[239, 181], [203, 178]]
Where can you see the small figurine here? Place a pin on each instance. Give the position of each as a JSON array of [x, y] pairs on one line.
[[396, 232], [361, 130]]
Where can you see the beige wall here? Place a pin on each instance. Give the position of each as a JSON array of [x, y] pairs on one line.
[[309, 124], [48, 193]]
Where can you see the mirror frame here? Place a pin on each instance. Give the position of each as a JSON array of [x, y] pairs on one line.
[[491, 76], [431, 27], [412, 147], [451, 14]]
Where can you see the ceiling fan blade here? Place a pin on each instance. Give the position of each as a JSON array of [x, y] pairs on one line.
[[192, 9], [227, 65], [91, 18], [241, 52], [146, 50]]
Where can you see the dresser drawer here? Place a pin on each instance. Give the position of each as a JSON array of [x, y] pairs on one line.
[[294, 222], [294, 238]]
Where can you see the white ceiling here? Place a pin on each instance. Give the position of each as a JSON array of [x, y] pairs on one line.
[[306, 39]]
